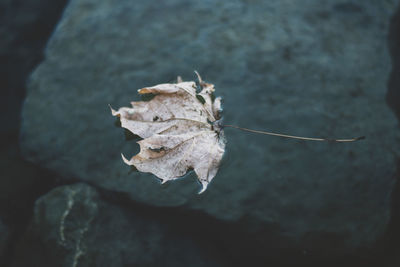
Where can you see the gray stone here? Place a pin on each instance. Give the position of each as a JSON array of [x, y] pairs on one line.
[[311, 69], [72, 226]]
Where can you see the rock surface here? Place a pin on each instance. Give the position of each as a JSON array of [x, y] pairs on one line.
[[72, 226], [4, 239], [311, 69]]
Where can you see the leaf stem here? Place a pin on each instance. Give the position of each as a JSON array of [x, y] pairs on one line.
[[295, 137]]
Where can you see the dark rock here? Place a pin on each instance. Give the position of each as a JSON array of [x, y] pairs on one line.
[[4, 239], [72, 226], [311, 69], [393, 94], [24, 28], [20, 184]]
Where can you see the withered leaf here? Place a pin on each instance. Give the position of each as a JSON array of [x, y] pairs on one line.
[[180, 131]]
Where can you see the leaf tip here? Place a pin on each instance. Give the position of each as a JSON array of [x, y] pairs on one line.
[[144, 91], [198, 77], [113, 111], [204, 185], [125, 160]]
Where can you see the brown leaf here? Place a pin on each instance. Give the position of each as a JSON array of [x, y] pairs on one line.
[[180, 131]]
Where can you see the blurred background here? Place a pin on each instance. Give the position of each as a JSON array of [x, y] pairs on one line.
[[327, 69]]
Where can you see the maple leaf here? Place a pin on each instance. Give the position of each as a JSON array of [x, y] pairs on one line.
[[180, 130]]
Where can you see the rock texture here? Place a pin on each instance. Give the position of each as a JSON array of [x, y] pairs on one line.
[[72, 226], [4, 239], [311, 69]]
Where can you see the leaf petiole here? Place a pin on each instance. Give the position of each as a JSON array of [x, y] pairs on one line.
[[295, 137]]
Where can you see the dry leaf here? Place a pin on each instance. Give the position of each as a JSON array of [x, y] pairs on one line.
[[180, 131]]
